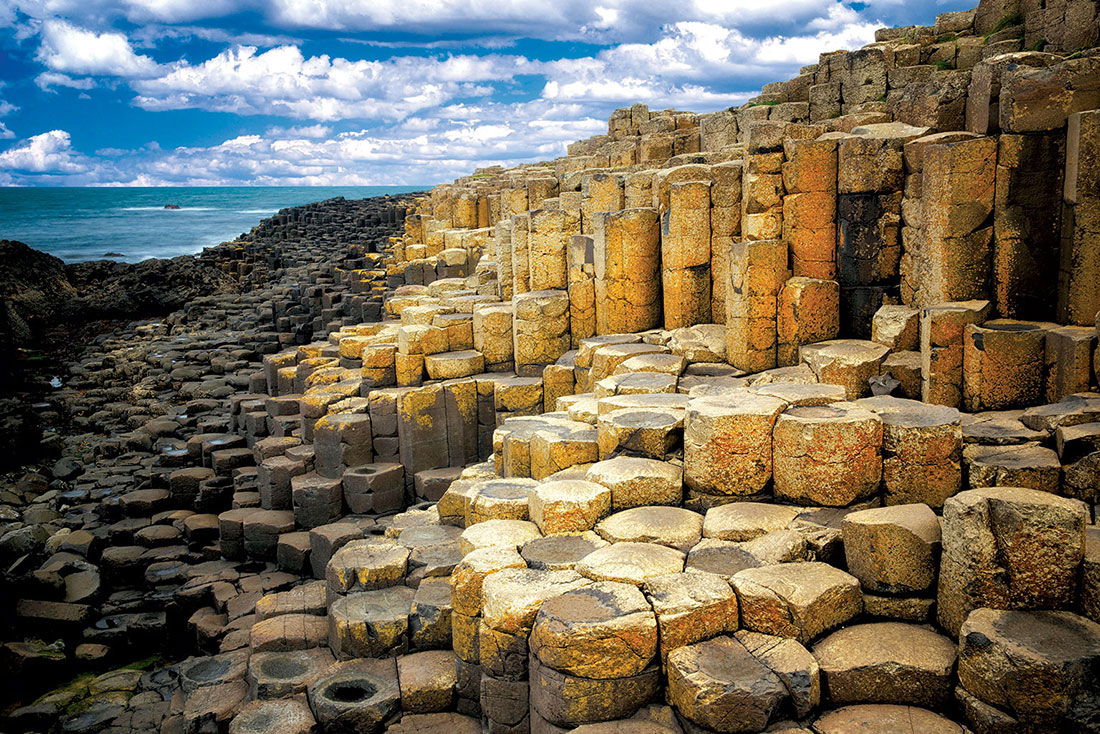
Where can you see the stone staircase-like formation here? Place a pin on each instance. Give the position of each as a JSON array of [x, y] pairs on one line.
[[780, 418]]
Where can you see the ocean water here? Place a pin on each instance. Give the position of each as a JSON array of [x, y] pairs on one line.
[[78, 224]]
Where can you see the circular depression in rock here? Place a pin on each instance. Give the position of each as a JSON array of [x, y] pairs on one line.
[[283, 668], [207, 670], [349, 691]]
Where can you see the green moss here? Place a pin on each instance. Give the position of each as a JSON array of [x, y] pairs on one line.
[[945, 38], [150, 662], [1038, 45], [763, 104], [944, 65], [1008, 21]]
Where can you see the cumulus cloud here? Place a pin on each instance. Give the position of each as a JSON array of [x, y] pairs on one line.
[[5, 133], [50, 152], [68, 49], [282, 81]]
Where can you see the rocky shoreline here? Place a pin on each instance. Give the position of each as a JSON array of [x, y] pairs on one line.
[[131, 399], [782, 418]]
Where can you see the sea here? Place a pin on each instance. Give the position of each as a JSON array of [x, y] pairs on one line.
[[131, 223]]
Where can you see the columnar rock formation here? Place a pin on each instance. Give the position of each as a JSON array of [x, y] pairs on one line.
[[778, 418]]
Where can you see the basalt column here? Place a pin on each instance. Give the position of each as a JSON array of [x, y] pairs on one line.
[[725, 229], [809, 222], [951, 259], [547, 250], [870, 179], [627, 257], [758, 271], [762, 183], [1026, 218], [521, 254], [1079, 279], [685, 255]]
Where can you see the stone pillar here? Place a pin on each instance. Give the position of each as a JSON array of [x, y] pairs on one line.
[[1008, 548], [422, 429], [1079, 274], [464, 210], [540, 329], [1026, 218], [493, 335], [1002, 365], [758, 270], [521, 254], [728, 444], [546, 244], [627, 256], [638, 189], [809, 206], [1068, 354], [808, 311], [941, 348], [871, 176], [502, 241], [602, 192], [540, 189], [513, 201], [582, 288], [685, 255], [952, 257], [725, 229], [762, 184]]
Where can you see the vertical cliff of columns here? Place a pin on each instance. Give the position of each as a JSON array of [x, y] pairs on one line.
[[782, 417]]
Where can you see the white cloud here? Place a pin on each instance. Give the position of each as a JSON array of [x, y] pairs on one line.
[[281, 81], [68, 49], [49, 79], [5, 133], [691, 65], [50, 152], [301, 131]]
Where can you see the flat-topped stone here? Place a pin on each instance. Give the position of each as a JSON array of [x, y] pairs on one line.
[[605, 630], [630, 563], [672, 526]]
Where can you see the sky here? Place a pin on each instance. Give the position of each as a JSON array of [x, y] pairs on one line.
[[374, 92]]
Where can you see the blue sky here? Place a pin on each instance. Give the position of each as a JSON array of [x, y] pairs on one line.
[[362, 92]]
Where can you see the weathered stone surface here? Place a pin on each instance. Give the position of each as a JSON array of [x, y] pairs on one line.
[[630, 563], [1008, 548], [672, 526], [796, 600], [885, 719], [371, 624], [893, 550], [827, 454], [567, 700], [886, 662], [741, 521], [605, 630], [690, 607], [636, 481], [719, 685], [427, 680], [568, 506], [1026, 465], [922, 450], [727, 443], [1037, 665]]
